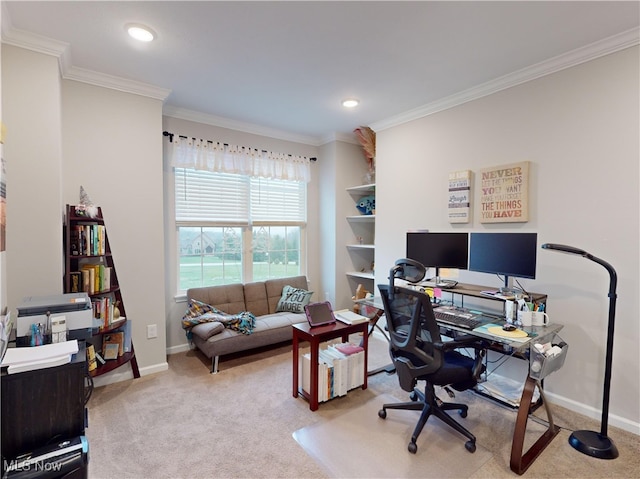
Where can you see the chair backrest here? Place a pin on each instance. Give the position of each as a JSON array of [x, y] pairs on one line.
[[412, 330]]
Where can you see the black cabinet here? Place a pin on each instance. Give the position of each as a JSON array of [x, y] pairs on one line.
[[44, 406]]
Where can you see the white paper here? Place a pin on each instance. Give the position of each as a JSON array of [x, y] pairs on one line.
[[15, 356]]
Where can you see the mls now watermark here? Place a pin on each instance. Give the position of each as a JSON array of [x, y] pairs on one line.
[[32, 465]]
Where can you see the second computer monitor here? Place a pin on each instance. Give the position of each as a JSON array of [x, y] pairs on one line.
[[439, 250], [504, 254]]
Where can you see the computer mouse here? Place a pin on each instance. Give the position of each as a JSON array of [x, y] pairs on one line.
[[509, 327]]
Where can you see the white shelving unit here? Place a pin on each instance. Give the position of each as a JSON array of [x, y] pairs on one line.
[[362, 248]]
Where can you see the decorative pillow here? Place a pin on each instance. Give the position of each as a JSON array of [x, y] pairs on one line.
[[205, 330], [293, 300]]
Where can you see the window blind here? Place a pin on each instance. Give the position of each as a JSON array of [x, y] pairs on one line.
[[221, 198]]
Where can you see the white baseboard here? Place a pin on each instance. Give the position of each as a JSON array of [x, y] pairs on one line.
[[593, 413], [179, 348], [125, 373]]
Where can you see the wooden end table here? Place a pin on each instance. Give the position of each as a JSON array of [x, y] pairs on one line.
[[315, 336]]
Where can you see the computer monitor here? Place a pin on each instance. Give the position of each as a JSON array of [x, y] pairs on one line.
[[504, 254], [438, 250]]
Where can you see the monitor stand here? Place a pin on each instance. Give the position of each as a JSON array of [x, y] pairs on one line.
[[508, 288], [442, 283]]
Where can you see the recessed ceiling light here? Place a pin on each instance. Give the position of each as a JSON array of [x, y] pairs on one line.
[[140, 32], [350, 103]]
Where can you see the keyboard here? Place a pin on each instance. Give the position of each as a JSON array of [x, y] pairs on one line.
[[459, 317]]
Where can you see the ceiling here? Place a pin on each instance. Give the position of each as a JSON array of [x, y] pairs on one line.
[[282, 68]]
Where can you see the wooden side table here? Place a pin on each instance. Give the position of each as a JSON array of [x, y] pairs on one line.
[[315, 336]]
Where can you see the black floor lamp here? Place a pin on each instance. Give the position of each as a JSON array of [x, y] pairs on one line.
[[597, 444]]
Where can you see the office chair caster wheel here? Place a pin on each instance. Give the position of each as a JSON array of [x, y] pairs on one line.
[[382, 413], [470, 446], [413, 396], [463, 413], [413, 448]]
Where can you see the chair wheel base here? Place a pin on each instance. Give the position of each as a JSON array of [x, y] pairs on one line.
[[470, 446], [413, 448], [382, 413]]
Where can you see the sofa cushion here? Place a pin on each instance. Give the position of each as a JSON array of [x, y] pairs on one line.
[[228, 298], [206, 330], [255, 298], [293, 300]]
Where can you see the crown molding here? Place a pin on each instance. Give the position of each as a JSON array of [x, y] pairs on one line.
[[116, 83], [61, 50], [575, 57], [31, 41], [198, 117], [338, 136]]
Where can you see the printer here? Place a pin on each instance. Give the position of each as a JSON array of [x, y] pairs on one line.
[[65, 459], [72, 309]]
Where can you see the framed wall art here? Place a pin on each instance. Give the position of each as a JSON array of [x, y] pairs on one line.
[[459, 199], [504, 193]]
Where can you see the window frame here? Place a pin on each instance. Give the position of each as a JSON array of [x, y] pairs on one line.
[[247, 228]]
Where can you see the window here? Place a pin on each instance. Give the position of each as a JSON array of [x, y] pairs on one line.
[[235, 228]]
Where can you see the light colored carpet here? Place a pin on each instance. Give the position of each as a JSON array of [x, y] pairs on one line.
[[187, 423], [382, 445]]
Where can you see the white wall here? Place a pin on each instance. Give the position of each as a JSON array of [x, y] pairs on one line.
[[351, 167], [3, 261], [175, 306], [342, 167], [65, 134], [112, 145], [579, 128], [31, 111]]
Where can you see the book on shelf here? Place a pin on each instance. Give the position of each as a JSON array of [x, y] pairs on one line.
[[338, 372], [99, 358], [75, 280], [126, 330], [92, 363]]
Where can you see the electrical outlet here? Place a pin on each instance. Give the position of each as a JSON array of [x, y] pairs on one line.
[[152, 331]]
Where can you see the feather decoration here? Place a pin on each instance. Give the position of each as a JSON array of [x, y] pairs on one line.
[[367, 138]]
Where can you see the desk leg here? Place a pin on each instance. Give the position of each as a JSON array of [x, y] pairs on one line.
[[519, 462], [313, 400], [365, 346], [295, 343]]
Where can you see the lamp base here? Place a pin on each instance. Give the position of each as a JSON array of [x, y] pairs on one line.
[[593, 444]]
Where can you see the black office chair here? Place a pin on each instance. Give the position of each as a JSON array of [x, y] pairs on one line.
[[419, 353]]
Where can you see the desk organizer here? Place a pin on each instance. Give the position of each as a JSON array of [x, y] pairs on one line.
[[541, 364]]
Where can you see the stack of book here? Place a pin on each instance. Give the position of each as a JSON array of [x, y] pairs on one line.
[[340, 369]]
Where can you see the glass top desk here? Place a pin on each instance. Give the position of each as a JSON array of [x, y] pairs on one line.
[[518, 347]]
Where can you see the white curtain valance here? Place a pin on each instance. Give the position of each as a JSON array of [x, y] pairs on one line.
[[222, 158]]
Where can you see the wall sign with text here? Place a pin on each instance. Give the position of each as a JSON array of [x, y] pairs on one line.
[[459, 200], [504, 193]]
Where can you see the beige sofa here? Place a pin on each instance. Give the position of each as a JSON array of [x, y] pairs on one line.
[[260, 298]]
